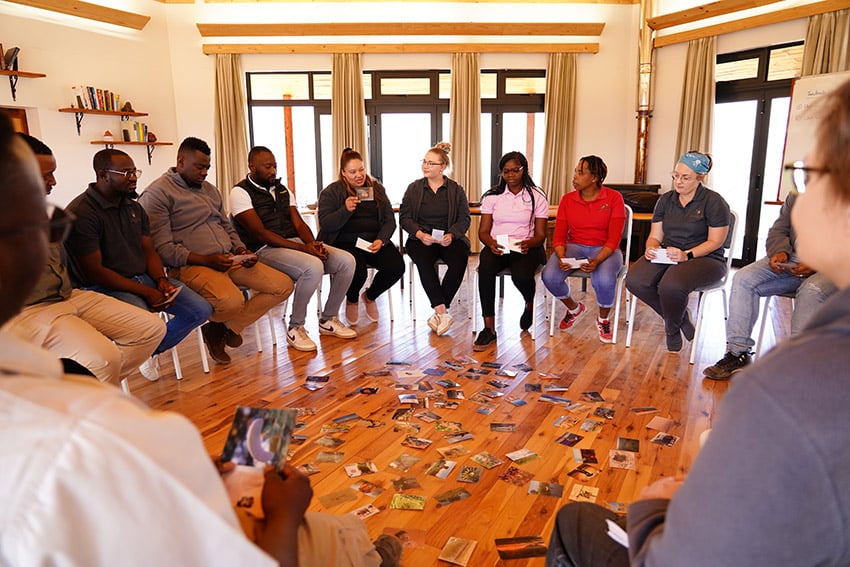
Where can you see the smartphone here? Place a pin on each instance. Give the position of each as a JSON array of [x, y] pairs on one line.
[[786, 265]]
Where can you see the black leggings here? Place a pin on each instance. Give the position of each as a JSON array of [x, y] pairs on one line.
[[522, 268], [455, 256], [387, 261]]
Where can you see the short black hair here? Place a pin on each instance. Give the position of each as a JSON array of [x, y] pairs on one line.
[[258, 150], [194, 144], [596, 167], [103, 158], [38, 147]]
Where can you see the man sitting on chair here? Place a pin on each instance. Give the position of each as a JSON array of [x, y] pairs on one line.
[[113, 253], [781, 272], [193, 236], [268, 221]]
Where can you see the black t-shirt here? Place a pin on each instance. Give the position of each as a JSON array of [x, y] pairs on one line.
[[434, 209], [362, 223], [687, 227]]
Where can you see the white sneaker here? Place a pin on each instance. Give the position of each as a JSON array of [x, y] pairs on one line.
[[150, 368], [434, 321], [297, 338], [445, 322], [335, 327]]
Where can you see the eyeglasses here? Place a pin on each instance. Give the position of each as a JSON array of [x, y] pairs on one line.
[[683, 178], [800, 174], [431, 163], [127, 172], [57, 228], [509, 170]]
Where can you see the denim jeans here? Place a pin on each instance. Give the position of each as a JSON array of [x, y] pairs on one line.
[[187, 312], [756, 281], [603, 278], [306, 272]]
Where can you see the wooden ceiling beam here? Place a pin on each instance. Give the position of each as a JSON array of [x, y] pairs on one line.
[[400, 28], [705, 11], [776, 17], [90, 12], [289, 48]]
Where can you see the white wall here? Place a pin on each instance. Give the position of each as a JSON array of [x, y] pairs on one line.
[[164, 72], [70, 51]]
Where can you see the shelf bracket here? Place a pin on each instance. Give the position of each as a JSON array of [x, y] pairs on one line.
[[13, 85], [78, 118], [150, 149]]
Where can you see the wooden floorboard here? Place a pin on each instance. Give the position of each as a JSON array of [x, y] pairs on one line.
[[643, 375]]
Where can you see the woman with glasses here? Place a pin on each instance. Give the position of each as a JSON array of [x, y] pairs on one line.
[[588, 228], [684, 250], [355, 214], [435, 213], [514, 214]]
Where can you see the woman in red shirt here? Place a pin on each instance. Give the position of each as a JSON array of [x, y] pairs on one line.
[[588, 228]]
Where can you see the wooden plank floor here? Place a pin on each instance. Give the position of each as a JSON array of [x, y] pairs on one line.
[[643, 375]]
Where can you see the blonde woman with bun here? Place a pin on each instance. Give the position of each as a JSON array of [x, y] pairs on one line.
[[435, 214]]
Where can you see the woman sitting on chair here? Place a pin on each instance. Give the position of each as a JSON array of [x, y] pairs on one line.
[[684, 250], [435, 213], [355, 209], [514, 212], [589, 227]]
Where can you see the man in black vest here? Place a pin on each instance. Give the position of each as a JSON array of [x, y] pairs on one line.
[[269, 224]]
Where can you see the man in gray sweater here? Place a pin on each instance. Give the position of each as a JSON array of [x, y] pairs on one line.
[[193, 236], [780, 273]]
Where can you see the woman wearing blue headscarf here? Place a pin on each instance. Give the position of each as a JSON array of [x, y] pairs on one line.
[[689, 227]]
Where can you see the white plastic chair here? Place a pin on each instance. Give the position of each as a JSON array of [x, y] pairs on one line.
[[502, 274], [621, 278], [765, 314], [413, 273]]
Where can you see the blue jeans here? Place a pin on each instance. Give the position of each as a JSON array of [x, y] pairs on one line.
[[306, 272], [756, 281], [187, 312], [603, 278]]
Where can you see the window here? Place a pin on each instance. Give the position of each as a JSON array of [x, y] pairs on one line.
[[407, 112], [750, 116]]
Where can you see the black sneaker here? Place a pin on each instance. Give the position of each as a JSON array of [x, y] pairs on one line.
[[674, 342], [526, 319], [485, 338], [724, 368]]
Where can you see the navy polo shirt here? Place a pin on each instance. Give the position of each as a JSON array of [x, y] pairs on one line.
[[114, 229], [687, 227]]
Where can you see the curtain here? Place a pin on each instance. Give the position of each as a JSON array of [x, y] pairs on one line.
[[696, 112], [827, 46], [231, 135], [465, 128], [348, 108], [465, 123], [560, 109]]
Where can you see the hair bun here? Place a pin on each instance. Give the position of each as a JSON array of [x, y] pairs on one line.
[[346, 149], [445, 146]]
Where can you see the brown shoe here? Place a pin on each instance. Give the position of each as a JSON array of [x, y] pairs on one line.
[[232, 338], [214, 339]]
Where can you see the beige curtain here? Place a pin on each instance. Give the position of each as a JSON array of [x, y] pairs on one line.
[[696, 112], [560, 110], [348, 108], [465, 128], [231, 135], [827, 46], [465, 123]]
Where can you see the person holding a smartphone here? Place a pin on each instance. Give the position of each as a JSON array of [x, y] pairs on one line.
[[112, 253], [781, 272]]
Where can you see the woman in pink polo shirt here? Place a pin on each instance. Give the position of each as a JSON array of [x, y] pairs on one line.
[[589, 225], [515, 211]]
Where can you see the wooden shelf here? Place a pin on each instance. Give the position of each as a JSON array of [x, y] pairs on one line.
[[80, 112], [13, 78], [149, 145]]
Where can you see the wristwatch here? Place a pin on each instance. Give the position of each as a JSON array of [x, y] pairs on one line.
[[690, 254]]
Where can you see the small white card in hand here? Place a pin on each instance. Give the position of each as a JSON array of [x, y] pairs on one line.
[[507, 243], [363, 244], [239, 258], [617, 533], [574, 263], [661, 257], [437, 234]]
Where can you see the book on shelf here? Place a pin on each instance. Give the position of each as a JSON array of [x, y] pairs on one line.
[[2, 60]]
